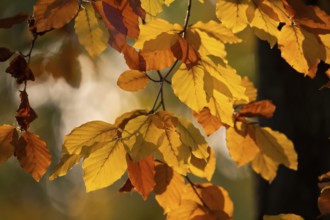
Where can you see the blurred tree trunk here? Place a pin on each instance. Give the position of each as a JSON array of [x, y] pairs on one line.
[[303, 114]]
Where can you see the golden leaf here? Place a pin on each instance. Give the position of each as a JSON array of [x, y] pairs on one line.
[[209, 122], [142, 175], [283, 217], [84, 138], [154, 7], [232, 14], [222, 107], [105, 165], [265, 166], [66, 163], [89, 32], [54, 14], [201, 167], [157, 59], [188, 86], [169, 187], [250, 91], [33, 155], [8, 142], [132, 80]]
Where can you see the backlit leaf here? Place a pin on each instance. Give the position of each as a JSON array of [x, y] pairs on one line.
[[142, 175], [232, 14], [54, 14], [33, 155], [222, 107], [5, 54], [105, 165], [66, 164], [283, 217], [89, 32], [8, 142], [209, 122], [265, 166], [83, 138], [169, 187], [188, 86], [157, 59], [264, 108], [201, 167], [183, 51], [132, 80], [154, 7], [11, 21], [122, 120]]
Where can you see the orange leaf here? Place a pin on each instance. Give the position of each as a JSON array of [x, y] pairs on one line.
[[8, 141], [53, 14], [264, 108], [132, 80], [134, 59], [9, 22], [33, 155], [18, 68], [5, 54], [158, 59], [25, 114], [142, 175], [209, 122], [185, 52]]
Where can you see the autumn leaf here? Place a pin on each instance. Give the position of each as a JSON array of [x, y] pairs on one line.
[[264, 108], [142, 175], [66, 163], [25, 114], [5, 54], [132, 80], [8, 142], [168, 188], [232, 14], [53, 14], [154, 7], [105, 165], [89, 31], [265, 166], [19, 69], [33, 155], [201, 167], [209, 122], [134, 59], [283, 217], [11, 21], [122, 120], [250, 91], [183, 51]]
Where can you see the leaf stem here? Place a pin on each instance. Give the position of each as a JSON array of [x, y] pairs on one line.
[[193, 186]]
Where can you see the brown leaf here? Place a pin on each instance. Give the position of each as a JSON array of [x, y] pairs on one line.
[[8, 142], [33, 155], [9, 22], [53, 14], [183, 51], [134, 59], [5, 54], [209, 122], [18, 68], [142, 175], [132, 80], [127, 187], [324, 201], [264, 108], [25, 114]]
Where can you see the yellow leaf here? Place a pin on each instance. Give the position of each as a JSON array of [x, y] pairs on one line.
[[87, 136], [201, 167], [105, 165], [325, 39], [66, 163], [276, 146], [142, 175], [209, 122], [232, 14], [132, 80], [222, 107], [250, 91], [141, 137], [169, 187], [154, 7], [192, 137], [187, 210], [89, 31], [33, 155], [301, 49], [283, 217], [154, 28], [122, 120], [49, 14], [241, 145], [8, 141], [188, 86], [265, 166]]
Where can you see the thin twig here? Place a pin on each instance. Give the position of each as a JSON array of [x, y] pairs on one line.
[[196, 192], [186, 22], [154, 80]]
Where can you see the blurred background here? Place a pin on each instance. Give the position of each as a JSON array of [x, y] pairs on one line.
[[72, 89]]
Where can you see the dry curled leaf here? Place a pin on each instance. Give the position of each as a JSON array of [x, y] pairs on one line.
[[19, 69], [25, 114]]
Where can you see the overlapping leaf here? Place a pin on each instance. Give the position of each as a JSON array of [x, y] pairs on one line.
[[132, 80], [154, 7]]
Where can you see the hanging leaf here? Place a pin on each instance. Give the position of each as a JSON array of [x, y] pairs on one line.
[[169, 187], [33, 155], [8, 142], [89, 31], [5, 54], [25, 114], [142, 175], [66, 164], [53, 14], [11, 21], [209, 122], [132, 80], [264, 108], [18, 68], [283, 217], [265, 166], [183, 51]]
